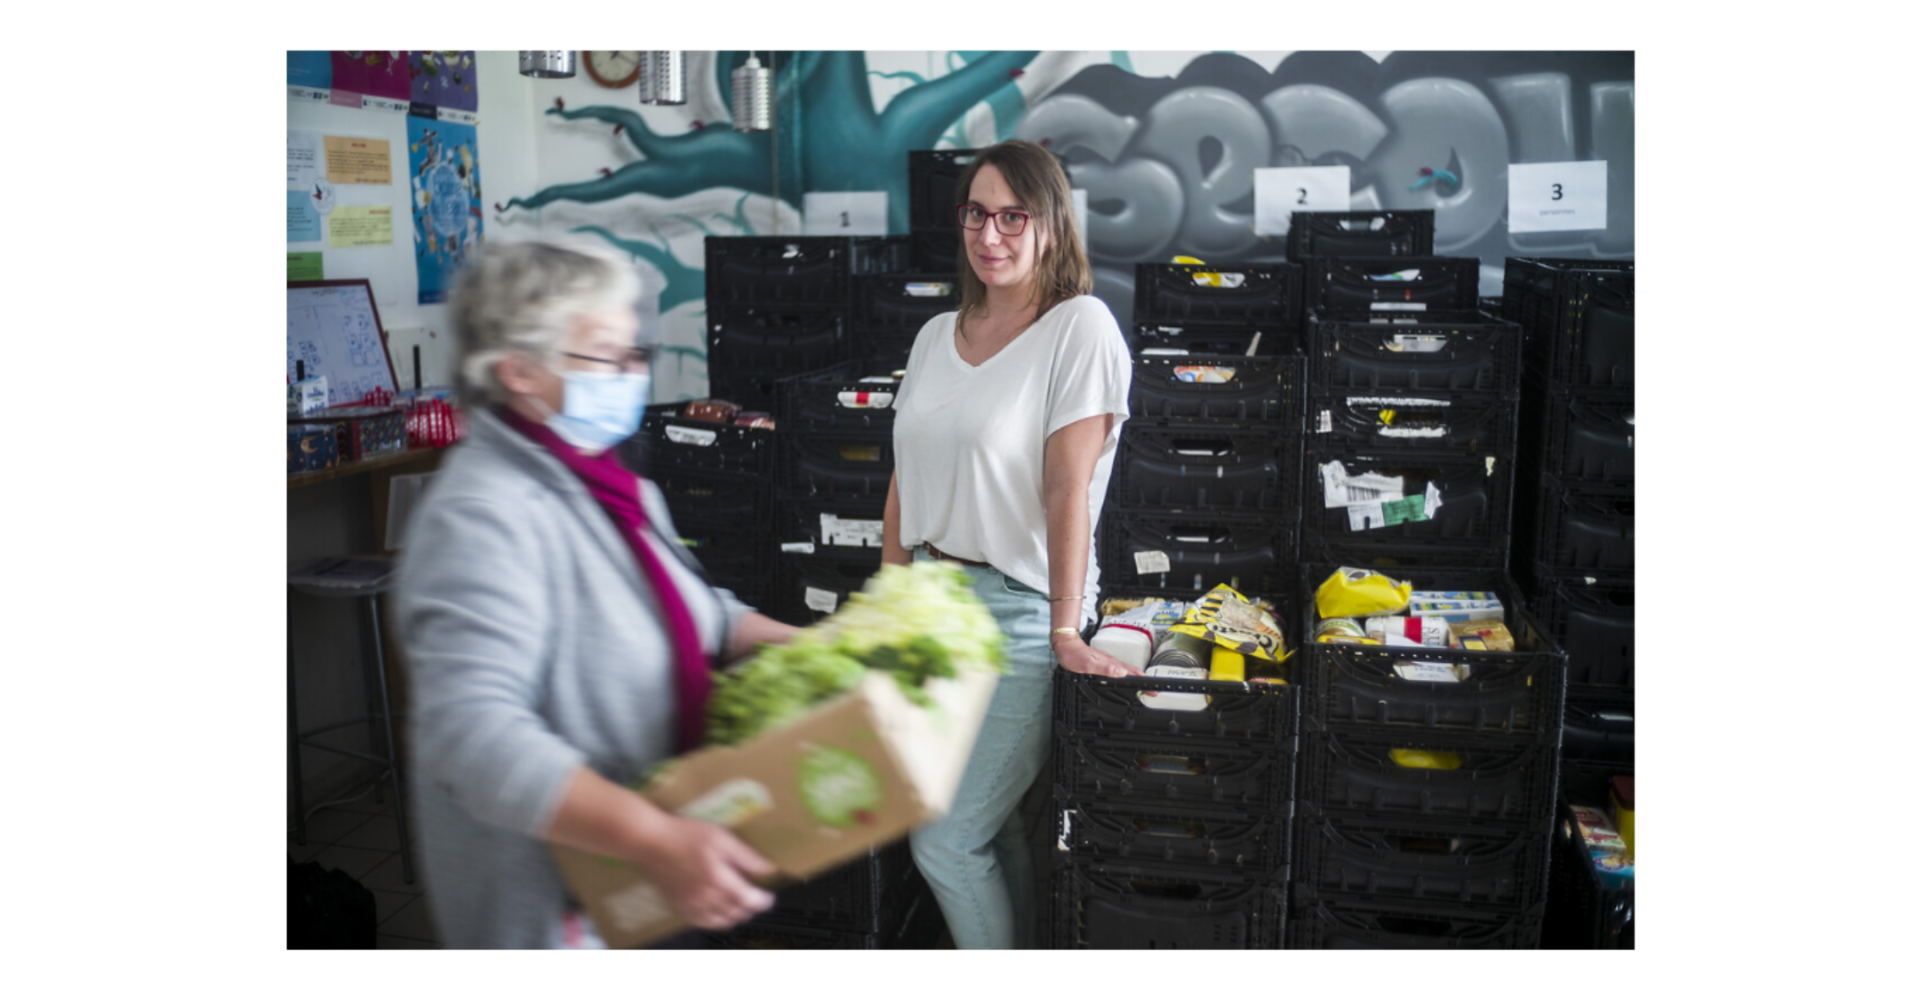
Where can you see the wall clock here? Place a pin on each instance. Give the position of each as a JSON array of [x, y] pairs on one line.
[[613, 69]]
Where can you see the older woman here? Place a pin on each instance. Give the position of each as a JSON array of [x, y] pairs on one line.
[[1005, 429], [559, 638]]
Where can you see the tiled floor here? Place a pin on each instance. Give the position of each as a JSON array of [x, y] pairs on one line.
[[361, 838]]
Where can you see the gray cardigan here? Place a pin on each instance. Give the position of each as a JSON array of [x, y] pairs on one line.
[[534, 644]]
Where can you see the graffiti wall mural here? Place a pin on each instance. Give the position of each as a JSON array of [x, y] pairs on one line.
[[1164, 144]]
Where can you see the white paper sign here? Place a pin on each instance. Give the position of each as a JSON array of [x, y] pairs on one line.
[[823, 601], [845, 213], [1278, 192], [858, 533], [1369, 487], [1148, 563], [303, 159], [1555, 197], [1080, 210], [802, 547], [1365, 516]]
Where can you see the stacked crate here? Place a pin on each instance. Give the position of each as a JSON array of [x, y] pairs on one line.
[[831, 484], [876, 902], [1173, 797], [1574, 540], [933, 189], [1425, 804], [717, 479], [889, 310]]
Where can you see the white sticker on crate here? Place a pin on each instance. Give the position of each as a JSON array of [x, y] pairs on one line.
[[692, 435], [1345, 490], [1398, 306], [1414, 343], [1433, 499], [1426, 672], [824, 601], [928, 289], [1150, 563], [856, 533], [867, 400], [803, 547], [1366, 516]]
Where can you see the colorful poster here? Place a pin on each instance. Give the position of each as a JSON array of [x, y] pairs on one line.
[[444, 166], [353, 160], [310, 69], [360, 225], [445, 79], [303, 223], [372, 74], [305, 267]]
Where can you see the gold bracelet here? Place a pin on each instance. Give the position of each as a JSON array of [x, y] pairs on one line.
[[1055, 633], [1055, 600]]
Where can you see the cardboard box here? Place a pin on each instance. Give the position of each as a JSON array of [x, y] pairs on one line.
[[858, 771]]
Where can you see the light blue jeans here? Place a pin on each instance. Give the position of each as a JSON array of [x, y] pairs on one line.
[[977, 858]]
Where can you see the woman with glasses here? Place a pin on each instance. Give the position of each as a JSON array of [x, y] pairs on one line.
[[1004, 435], [558, 636]]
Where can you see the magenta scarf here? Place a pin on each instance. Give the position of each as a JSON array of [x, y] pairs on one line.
[[617, 490]]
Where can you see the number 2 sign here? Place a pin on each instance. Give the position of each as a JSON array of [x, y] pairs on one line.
[[1278, 192], [1556, 197]]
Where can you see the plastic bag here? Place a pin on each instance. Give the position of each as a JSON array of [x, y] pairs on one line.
[[1231, 621], [1360, 593]]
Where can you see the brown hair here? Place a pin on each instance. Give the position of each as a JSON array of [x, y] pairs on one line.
[[1040, 185]]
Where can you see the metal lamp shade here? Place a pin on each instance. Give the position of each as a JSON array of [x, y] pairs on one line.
[[663, 77], [752, 97], [546, 65]]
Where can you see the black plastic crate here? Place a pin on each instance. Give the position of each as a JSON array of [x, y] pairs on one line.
[[737, 557], [1459, 423], [1584, 438], [1402, 232], [1229, 341], [937, 251], [1356, 922], [809, 586], [1200, 551], [854, 397], [750, 273], [1574, 529], [1350, 773], [885, 351], [1126, 706], [1476, 497], [901, 303], [1134, 831], [1449, 351], [933, 187], [1597, 728], [848, 528], [835, 467], [769, 346], [1578, 315], [915, 924], [1255, 775], [1141, 907], [702, 445], [1262, 391], [698, 499], [1583, 912], [865, 895], [1225, 469], [1592, 619], [1473, 863], [1517, 693], [880, 254], [1236, 295], [1392, 284]]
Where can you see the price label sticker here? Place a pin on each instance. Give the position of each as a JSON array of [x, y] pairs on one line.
[[1556, 197], [823, 601], [1278, 192], [845, 213]]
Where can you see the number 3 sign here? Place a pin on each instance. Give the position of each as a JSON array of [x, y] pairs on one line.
[[1556, 197], [1278, 192]]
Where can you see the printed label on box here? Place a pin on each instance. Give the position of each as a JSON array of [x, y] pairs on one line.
[[803, 547], [1345, 490]]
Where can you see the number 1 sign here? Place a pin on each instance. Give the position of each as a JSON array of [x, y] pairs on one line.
[[1555, 197], [844, 213], [1278, 192]]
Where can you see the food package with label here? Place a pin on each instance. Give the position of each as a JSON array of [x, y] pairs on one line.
[[1408, 669], [1156, 616], [1231, 621], [1130, 643], [1359, 593], [1611, 858], [1430, 632], [1425, 759], [1480, 636], [1342, 631], [711, 410], [1227, 665], [1456, 605], [1178, 657], [1620, 807], [759, 421]]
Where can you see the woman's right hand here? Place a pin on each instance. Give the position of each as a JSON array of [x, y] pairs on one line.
[[703, 871], [1079, 657]]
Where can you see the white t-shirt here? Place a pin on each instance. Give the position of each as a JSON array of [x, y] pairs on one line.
[[970, 442]]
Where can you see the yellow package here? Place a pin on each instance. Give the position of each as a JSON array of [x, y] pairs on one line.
[[1227, 665], [1425, 759], [1231, 621], [1360, 593]]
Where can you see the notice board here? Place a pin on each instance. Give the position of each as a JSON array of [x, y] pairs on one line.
[[335, 328]]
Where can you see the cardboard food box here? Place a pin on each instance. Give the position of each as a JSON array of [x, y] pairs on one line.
[[858, 771]]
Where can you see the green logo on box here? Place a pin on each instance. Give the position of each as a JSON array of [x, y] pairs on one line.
[[838, 787]]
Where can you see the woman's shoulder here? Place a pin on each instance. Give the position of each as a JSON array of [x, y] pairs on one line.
[[1085, 319]]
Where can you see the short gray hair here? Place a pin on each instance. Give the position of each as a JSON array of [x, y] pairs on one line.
[[519, 297]]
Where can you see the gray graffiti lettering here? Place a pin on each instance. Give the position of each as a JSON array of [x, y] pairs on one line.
[[1539, 113], [1316, 121], [1176, 128], [1071, 121], [1612, 105], [1151, 200], [1434, 122]]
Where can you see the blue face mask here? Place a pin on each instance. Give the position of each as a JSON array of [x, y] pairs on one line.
[[599, 409]]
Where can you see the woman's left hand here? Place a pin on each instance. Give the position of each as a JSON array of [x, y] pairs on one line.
[[1079, 657]]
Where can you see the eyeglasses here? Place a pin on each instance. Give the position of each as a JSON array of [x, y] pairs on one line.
[[637, 359], [1010, 223]]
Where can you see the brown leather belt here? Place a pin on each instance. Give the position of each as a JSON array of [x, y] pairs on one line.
[[943, 556]]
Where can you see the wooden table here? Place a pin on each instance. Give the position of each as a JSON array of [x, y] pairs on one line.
[[380, 472]]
